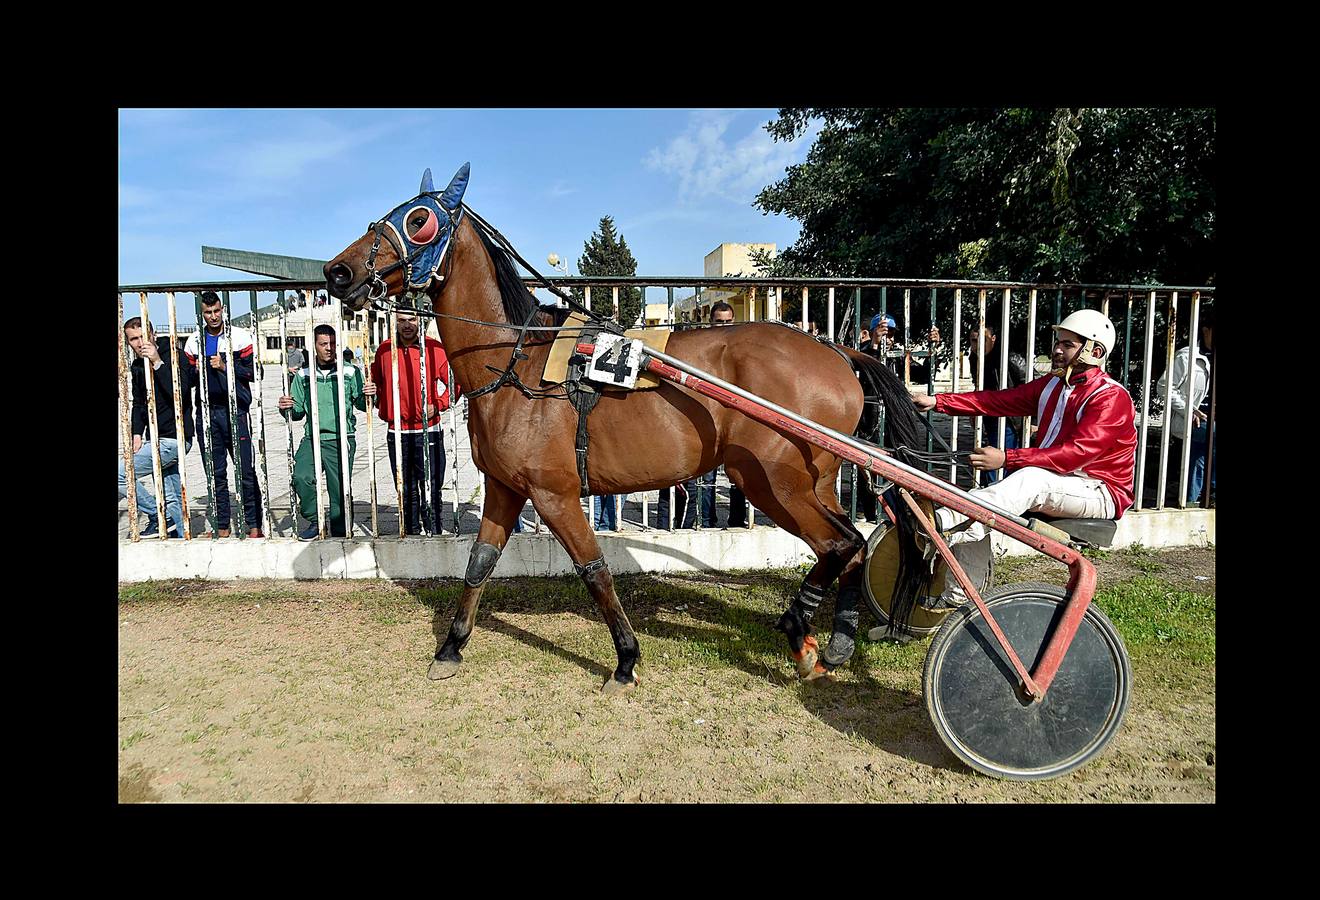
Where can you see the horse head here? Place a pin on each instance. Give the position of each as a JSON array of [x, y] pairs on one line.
[[401, 251]]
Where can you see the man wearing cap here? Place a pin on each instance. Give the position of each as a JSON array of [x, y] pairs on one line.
[[1082, 466], [882, 326]]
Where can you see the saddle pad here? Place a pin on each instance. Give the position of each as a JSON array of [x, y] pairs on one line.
[[556, 365]]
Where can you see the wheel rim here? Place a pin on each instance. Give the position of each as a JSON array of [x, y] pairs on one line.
[[982, 716]]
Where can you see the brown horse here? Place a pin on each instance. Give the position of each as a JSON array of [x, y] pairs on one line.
[[639, 441]]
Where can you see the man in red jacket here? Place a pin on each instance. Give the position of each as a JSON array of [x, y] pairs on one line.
[[1083, 463], [439, 394]]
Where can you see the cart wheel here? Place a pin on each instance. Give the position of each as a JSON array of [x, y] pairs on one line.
[[982, 714], [880, 569]]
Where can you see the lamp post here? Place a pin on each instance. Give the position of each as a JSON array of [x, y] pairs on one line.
[[560, 266]]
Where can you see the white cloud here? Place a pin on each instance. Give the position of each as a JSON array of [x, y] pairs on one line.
[[706, 164], [666, 215], [278, 163], [560, 189]]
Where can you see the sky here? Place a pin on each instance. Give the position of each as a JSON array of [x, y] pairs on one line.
[[306, 182]]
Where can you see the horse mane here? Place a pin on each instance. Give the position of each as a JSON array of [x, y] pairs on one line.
[[518, 301]]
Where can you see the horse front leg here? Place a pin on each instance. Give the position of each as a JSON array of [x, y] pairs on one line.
[[497, 516], [563, 514]]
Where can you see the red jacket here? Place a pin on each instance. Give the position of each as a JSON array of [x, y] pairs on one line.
[[438, 393], [1091, 433]]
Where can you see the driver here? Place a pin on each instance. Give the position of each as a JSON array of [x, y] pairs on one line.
[[1084, 463]]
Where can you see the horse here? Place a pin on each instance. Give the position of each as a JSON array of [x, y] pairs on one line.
[[524, 442]]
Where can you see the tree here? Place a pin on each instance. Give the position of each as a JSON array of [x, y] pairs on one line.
[[607, 253], [1099, 196], [1080, 195]]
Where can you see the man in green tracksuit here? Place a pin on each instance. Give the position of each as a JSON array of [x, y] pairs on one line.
[[326, 360]]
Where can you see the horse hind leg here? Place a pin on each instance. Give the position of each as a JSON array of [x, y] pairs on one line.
[[563, 515], [846, 614], [497, 514], [796, 507]]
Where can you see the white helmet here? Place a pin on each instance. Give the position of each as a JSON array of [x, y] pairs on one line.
[[1094, 328]]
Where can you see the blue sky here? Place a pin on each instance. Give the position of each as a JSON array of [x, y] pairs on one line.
[[306, 182]]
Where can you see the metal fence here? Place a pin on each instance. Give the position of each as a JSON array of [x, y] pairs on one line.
[[845, 306]]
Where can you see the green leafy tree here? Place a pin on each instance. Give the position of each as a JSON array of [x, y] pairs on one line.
[[1117, 196], [1083, 195], [607, 253]]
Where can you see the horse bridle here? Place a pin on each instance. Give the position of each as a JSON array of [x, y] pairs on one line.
[[376, 289]]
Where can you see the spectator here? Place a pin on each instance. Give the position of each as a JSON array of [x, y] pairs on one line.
[[1083, 466], [721, 314], [348, 356], [1017, 375], [603, 512], [413, 429], [209, 343], [877, 342], [298, 406], [1176, 416], [295, 360], [155, 352], [881, 343], [685, 513]]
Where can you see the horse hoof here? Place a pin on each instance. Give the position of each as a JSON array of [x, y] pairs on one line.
[[807, 656], [819, 672], [442, 669], [614, 687]]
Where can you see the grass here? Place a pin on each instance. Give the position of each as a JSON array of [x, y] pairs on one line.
[[1150, 613], [343, 680]]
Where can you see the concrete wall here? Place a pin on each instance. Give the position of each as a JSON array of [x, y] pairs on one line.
[[533, 554]]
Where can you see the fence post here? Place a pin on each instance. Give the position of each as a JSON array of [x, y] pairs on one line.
[[258, 440], [126, 427], [368, 356], [185, 528], [1145, 398], [1031, 361], [1168, 393], [313, 367], [204, 398], [288, 418], [398, 425], [238, 511], [341, 402], [149, 379]]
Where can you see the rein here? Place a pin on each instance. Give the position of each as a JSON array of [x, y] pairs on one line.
[[377, 297]]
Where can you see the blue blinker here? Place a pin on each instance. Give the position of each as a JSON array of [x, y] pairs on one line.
[[431, 237]]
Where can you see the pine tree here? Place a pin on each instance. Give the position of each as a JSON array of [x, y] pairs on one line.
[[607, 253]]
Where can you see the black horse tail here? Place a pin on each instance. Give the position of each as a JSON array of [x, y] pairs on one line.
[[882, 388], [904, 427]]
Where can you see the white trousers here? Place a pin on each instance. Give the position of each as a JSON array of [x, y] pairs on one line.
[[1033, 489]]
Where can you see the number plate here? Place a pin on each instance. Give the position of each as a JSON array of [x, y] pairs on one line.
[[616, 361]]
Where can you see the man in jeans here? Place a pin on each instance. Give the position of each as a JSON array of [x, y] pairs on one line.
[[413, 428], [1196, 370], [155, 352], [206, 349]]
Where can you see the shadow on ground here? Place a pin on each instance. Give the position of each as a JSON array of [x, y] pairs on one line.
[[860, 704]]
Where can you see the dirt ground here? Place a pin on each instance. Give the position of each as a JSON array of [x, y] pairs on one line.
[[317, 691]]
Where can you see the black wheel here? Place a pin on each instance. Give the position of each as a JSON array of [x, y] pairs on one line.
[[983, 716]]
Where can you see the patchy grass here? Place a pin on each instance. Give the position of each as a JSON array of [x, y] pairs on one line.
[[316, 691]]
